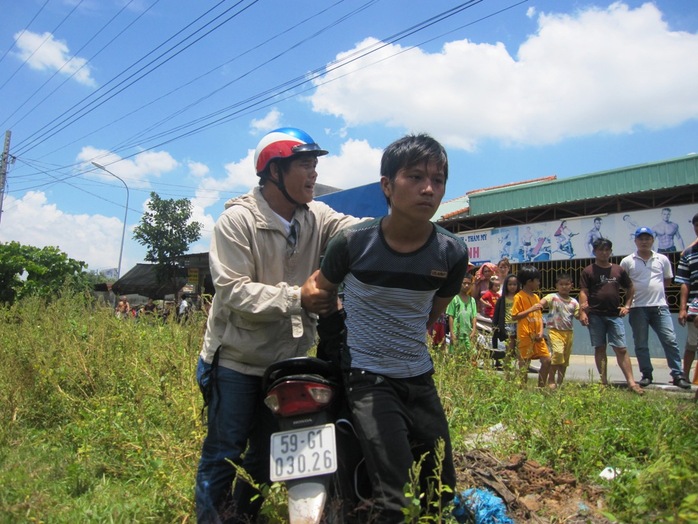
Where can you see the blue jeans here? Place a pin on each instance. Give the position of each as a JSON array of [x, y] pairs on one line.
[[237, 417], [659, 319], [605, 330]]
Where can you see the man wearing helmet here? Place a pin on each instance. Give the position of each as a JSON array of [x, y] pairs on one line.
[[264, 247]]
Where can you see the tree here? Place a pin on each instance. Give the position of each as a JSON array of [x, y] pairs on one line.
[[28, 270], [166, 230]]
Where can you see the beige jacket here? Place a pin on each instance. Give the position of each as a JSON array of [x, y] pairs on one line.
[[256, 316]]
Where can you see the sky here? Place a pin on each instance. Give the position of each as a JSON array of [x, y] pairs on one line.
[[172, 96]]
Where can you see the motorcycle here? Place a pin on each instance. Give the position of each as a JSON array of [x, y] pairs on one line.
[[316, 452]]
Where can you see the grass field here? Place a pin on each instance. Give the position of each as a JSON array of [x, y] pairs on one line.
[[100, 422]]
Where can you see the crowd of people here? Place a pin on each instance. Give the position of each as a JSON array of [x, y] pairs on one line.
[[164, 309], [278, 260], [608, 292]]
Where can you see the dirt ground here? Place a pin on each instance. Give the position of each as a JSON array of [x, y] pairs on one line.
[[531, 492]]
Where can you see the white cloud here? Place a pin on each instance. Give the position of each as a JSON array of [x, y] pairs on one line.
[[198, 169], [239, 178], [357, 164], [32, 220], [135, 171], [271, 121], [597, 71], [43, 52]]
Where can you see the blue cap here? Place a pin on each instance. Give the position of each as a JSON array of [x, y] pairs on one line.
[[643, 231]]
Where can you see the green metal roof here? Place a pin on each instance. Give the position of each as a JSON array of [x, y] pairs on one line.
[[666, 174], [451, 206]]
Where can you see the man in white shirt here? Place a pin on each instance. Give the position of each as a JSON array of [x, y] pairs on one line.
[[650, 272], [183, 307]]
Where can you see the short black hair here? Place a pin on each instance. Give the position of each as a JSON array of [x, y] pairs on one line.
[[602, 242], [527, 273], [563, 275], [409, 151], [694, 221]]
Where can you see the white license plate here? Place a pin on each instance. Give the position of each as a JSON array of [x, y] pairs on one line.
[[303, 453]]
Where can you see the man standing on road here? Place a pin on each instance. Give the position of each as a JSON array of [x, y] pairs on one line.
[[601, 310], [650, 272], [687, 276]]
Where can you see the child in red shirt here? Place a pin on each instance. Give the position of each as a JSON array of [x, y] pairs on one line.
[[489, 298]]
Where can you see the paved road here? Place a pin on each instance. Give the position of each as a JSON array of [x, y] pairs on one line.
[[583, 368]]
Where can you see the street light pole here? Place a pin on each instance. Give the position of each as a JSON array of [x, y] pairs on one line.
[[123, 231]]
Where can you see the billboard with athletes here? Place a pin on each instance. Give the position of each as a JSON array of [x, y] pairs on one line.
[[573, 237]]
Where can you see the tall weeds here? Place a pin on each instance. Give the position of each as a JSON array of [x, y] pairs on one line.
[[98, 416], [99, 422], [582, 429]]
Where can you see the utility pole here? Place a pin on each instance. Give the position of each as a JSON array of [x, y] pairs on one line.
[[3, 168]]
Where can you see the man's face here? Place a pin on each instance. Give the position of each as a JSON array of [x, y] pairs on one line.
[[666, 215], [300, 178], [597, 223], [416, 191], [644, 242], [602, 254]]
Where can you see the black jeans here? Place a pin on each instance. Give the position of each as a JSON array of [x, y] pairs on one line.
[[397, 421]]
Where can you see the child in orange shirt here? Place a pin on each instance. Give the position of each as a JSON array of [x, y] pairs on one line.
[[526, 311]]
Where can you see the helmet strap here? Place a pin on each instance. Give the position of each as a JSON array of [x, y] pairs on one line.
[[280, 184]]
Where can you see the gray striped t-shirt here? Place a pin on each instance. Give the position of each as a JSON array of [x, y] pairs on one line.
[[388, 295]]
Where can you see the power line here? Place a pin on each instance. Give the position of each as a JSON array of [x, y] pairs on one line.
[[113, 79], [191, 105], [77, 181], [42, 43], [316, 73], [7, 51], [256, 101], [67, 121], [210, 94], [65, 64]]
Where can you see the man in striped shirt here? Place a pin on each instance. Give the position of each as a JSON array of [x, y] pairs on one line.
[[399, 273], [687, 276]]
